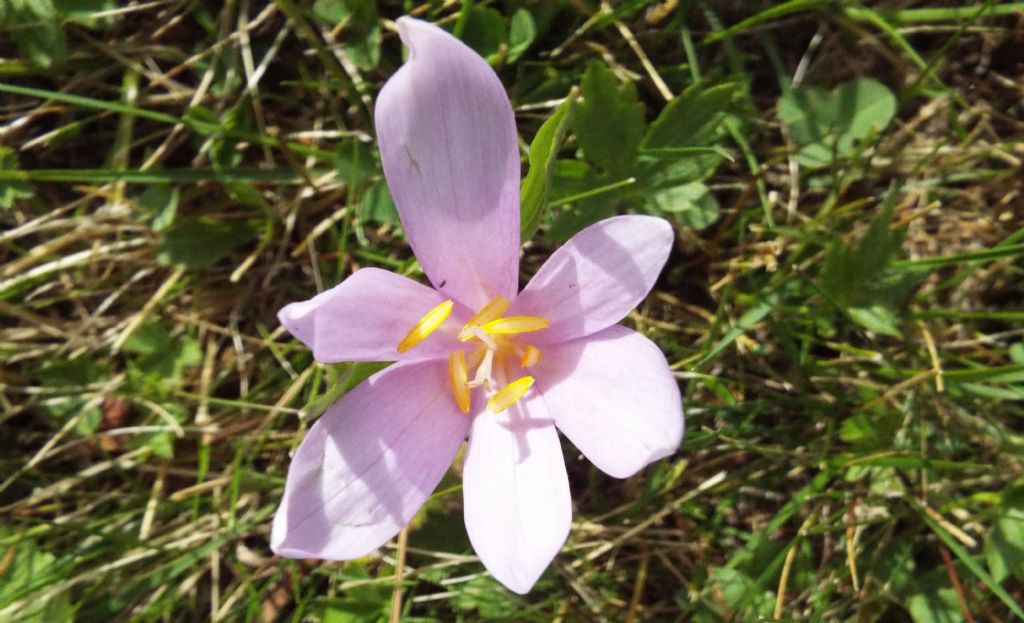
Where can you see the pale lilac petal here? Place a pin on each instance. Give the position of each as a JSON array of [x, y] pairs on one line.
[[593, 280], [516, 491], [365, 317], [369, 463], [448, 144], [613, 395]]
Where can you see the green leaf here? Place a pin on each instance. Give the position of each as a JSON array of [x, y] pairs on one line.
[[935, 604], [159, 354], [692, 204], [361, 32], [485, 31], [161, 200], [1004, 543], [572, 205], [488, 598], [377, 205], [826, 125], [354, 374], [35, 25], [609, 122], [876, 318], [30, 572], [740, 591], [522, 31], [851, 273], [354, 162], [200, 242], [972, 565], [162, 444], [543, 156], [12, 189], [691, 118]]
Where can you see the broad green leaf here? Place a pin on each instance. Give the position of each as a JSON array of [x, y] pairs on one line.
[[158, 353], [485, 31], [692, 204], [826, 125], [865, 107], [609, 122], [377, 205], [690, 118], [664, 169], [572, 208], [850, 272], [521, 33], [200, 242], [543, 156]]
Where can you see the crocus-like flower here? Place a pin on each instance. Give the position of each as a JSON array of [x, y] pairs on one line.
[[474, 357]]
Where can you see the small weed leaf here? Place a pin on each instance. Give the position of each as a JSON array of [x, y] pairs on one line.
[[609, 123], [692, 204], [200, 242], [830, 125], [361, 31], [486, 33], [10, 190]]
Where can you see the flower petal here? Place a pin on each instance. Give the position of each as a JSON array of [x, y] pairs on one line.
[[448, 144], [593, 280], [613, 395], [364, 318], [516, 491], [369, 463]]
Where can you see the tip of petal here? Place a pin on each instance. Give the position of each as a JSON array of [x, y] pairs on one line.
[[298, 319], [410, 30]]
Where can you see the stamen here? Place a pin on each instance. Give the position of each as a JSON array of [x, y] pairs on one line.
[[491, 311], [508, 395], [427, 325], [457, 378], [515, 324], [531, 356]]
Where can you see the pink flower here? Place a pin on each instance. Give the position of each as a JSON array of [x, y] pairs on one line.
[[474, 357]]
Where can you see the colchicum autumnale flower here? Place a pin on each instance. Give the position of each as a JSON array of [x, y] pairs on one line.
[[474, 357]]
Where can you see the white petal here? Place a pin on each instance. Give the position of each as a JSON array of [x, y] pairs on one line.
[[613, 395], [369, 463], [517, 503]]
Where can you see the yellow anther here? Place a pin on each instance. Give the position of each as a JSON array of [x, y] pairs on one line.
[[508, 395], [515, 324], [458, 377], [489, 312], [531, 356], [427, 325]]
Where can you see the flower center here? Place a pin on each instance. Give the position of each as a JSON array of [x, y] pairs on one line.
[[495, 352]]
